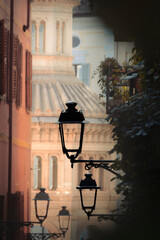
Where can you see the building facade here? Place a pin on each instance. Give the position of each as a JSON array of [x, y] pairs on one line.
[[15, 106], [53, 84], [93, 42]]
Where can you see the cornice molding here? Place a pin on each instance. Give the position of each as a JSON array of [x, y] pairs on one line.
[[68, 2]]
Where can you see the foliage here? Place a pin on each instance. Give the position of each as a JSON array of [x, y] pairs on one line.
[[137, 131], [137, 122], [110, 71]]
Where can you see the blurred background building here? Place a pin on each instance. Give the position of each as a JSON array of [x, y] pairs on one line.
[[55, 82], [68, 43], [93, 42]]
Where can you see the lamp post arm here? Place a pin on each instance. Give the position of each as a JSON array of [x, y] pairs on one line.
[[7, 228], [105, 164], [40, 236], [111, 217]]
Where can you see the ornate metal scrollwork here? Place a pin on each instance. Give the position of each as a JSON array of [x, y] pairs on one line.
[[101, 164], [42, 236]]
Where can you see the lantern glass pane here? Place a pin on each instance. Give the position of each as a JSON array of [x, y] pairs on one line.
[[42, 207], [88, 197], [72, 133], [64, 221]]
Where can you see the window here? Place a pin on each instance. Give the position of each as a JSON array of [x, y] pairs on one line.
[[82, 71], [34, 37], [4, 65], [75, 41], [63, 36], [42, 37], [58, 36], [53, 172], [37, 172]]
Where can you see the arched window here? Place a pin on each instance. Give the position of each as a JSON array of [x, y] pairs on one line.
[[34, 37], [42, 37], [53, 172], [37, 172], [58, 37], [63, 36]]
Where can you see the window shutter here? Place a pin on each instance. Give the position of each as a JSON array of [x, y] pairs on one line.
[[28, 81], [30, 85], [15, 73], [1, 55], [85, 73], [19, 76], [8, 63], [3, 58]]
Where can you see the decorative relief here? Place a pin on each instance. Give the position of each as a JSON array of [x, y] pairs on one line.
[[49, 132]]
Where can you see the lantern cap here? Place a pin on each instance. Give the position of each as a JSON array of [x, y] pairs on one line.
[[42, 195], [64, 212], [71, 114], [88, 183]]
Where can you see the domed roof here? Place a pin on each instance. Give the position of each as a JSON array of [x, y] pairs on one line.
[[50, 93]]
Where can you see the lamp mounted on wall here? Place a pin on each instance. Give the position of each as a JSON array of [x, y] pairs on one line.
[[64, 218], [41, 196], [71, 118], [8, 229], [88, 184]]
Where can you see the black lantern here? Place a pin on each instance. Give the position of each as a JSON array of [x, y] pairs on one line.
[[71, 116], [41, 213], [64, 218], [90, 184]]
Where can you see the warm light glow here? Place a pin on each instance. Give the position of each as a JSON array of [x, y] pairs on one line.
[[66, 192]]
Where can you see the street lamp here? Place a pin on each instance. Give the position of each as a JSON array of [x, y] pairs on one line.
[[64, 218], [9, 228], [71, 116], [90, 184], [41, 196]]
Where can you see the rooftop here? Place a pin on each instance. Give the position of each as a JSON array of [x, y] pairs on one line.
[[50, 93]]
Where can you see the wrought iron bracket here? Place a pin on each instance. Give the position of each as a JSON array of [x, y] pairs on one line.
[[105, 164], [42, 236], [7, 228], [111, 217]]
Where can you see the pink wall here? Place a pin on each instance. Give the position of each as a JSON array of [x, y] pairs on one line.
[[20, 174]]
